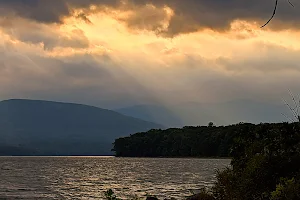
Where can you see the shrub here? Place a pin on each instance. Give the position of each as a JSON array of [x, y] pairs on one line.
[[110, 195], [261, 157], [288, 189]]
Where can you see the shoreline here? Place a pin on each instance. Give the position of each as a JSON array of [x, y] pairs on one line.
[[93, 156], [188, 157]]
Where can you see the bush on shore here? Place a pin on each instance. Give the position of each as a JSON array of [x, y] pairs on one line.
[[265, 165]]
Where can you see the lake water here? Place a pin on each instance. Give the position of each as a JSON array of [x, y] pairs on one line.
[[88, 177]]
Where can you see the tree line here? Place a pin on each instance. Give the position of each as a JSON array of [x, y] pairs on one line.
[[200, 141]]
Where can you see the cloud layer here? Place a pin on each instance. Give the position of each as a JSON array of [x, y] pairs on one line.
[[188, 16], [118, 53]]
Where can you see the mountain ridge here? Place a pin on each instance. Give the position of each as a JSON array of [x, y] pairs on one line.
[[61, 128], [222, 113]]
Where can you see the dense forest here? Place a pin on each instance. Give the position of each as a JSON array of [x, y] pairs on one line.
[[200, 141]]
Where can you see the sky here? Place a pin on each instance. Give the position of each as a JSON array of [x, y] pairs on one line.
[[117, 53]]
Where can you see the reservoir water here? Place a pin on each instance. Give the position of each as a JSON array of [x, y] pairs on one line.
[[88, 177]]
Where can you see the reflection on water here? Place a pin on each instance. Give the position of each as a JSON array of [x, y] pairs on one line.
[[87, 177]]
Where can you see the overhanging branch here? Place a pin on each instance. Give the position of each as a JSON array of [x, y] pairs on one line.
[[274, 12]]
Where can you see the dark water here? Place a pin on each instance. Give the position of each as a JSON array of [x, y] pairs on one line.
[[87, 177]]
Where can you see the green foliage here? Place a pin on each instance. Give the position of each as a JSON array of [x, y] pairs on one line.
[[288, 189], [110, 195], [265, 164], [224, 187]]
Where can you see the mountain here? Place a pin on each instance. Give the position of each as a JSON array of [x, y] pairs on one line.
[[53, 128], [223, 113], [153, 113]]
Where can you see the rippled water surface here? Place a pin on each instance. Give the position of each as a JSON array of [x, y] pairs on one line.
[[87, 177]]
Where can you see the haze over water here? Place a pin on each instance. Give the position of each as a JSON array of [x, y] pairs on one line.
[[88, 177]]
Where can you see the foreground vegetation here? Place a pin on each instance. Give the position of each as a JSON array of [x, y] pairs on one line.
[[265, 158], [265, 164]]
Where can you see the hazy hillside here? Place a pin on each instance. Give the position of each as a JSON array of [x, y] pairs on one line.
[[52, 128], [194, 114], [153, 113]]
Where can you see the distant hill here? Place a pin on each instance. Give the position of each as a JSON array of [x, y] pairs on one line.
[[153, 113], [52, 128], [194, 114]]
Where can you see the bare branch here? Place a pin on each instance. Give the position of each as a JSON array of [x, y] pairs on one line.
[[291, 109], [297, 105], [295, 109], [290, 119], [290, 3], [274, 12]]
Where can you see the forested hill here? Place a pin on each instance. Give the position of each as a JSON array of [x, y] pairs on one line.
[[32, 127], [201, 141]]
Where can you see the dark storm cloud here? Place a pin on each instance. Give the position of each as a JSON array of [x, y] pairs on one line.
[[193, 15], [189, 15], [47, 11], [39, 10]]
